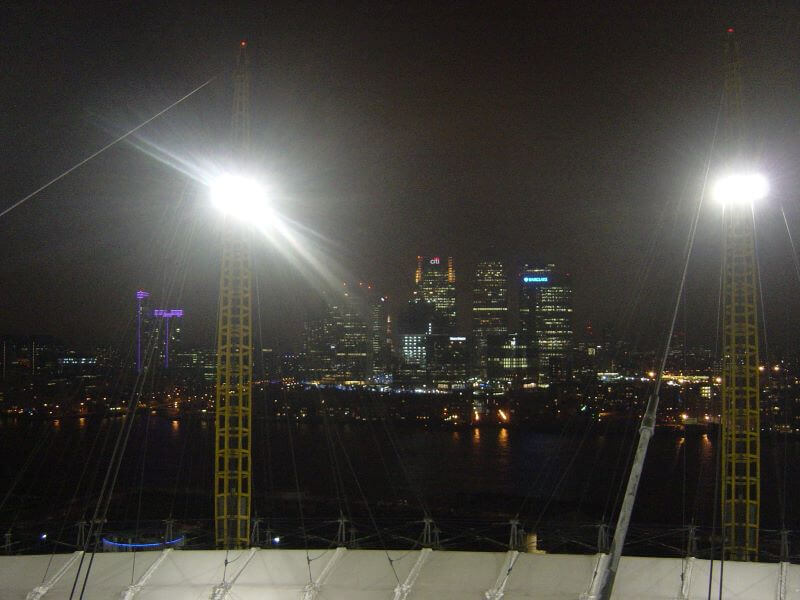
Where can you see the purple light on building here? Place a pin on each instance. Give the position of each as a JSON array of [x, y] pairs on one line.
[[140, 295], [167, 314]]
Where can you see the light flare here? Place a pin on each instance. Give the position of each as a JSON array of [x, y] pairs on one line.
[[740, 189], [242, 198]]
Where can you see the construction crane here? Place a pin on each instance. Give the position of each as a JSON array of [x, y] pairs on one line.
[[740, 491], [232, 459]]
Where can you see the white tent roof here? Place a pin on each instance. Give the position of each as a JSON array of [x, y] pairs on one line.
[[340, 574]]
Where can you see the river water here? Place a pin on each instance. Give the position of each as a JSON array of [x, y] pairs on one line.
[[376, 473]]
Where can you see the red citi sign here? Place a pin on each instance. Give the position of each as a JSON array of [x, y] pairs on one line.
[[434, 260]]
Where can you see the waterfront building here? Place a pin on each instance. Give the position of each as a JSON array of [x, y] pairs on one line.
[[545, 317], [143, 326], [380, 333], [435, 281], [415, 324], [337, 346], [489, 310], [448, 358], [507, 357]]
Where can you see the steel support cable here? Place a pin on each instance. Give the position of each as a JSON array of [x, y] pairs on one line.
[[700, 476], [173, 285], [645, 268], [74, 498], [714, 515], [760, 288], [366, 504], [643, 275], [796, 262], [35, 475], [169, 285], [568, 431], [112, 471], [64, 480], [648, 421], [269, 479], [297, 489], [589, 481], [141, 488], [100, 151], [173, 244], [684, 451], [40, 440], [620, 468], [549, 464], [178, 473], [767, 370], [562, 478], [718, 441], [107, 432], [59, 467], [107, 493], [56, 482], [189, 470], [630, 429], [338, 481], [379, 447], [415, 487], [413, 484], [103, 149]]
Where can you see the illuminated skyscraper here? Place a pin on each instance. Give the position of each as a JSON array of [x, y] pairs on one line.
[[415, 326], [489, 309], [507, 357], [545, 318], [142, 324], [337, 347], [171, 336], [380, 335], [489, 303], [436, 283], [352, 352]]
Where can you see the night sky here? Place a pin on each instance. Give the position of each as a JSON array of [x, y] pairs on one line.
[[573, 133]]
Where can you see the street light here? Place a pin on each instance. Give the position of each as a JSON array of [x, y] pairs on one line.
[[242, 198], [740, 189]]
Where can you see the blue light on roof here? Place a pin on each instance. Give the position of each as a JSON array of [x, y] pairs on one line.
[[534, 279], [177, 540]]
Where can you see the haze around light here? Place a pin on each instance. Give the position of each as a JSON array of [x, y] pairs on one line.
[[740, 189]]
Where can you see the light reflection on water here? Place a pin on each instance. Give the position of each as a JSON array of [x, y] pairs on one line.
[[447, 465], [502, 438], [706, 450]]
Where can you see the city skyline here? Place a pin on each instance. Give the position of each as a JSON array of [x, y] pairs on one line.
[[518, 134], [405, 239]]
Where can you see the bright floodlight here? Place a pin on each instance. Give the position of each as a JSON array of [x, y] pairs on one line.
[[741, 188], [240, 197]]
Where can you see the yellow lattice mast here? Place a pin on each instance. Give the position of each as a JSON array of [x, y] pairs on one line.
[[741, 445], [232, 460]]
